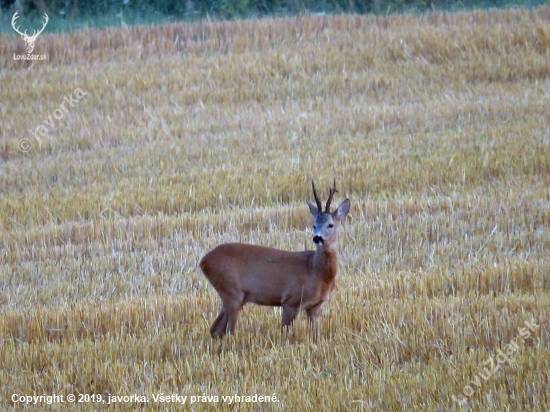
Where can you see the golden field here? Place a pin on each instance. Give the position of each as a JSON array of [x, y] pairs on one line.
[[185, 136]]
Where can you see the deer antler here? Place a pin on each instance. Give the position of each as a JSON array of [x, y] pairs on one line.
[[14, 18], [46, 20], [332, 192], [34, 34], [319, 206]]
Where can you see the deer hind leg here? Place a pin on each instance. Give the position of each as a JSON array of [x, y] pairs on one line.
[[227, 319], [233, 315], [218, 328]]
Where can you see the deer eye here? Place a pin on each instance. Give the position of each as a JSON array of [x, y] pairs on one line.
[[330, 226]]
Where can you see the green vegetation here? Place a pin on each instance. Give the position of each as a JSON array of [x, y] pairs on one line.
[[435, 126], [71, 14]]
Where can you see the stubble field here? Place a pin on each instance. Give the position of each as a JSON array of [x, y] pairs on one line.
[[159, 143]]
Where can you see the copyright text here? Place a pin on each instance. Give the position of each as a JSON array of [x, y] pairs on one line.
[[156, 398]]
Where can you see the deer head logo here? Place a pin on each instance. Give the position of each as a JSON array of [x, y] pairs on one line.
[[29, 40]]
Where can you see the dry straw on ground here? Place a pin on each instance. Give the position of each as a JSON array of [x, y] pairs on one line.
[[436, 127]]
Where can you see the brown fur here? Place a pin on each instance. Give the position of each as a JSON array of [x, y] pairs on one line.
[[243, 273]]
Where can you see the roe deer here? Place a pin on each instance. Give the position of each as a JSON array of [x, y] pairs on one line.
[[243, 273]]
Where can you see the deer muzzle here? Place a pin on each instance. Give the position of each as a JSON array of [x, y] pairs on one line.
[[318, 239]]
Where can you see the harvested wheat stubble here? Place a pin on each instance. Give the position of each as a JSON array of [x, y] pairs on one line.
[[192, 135]]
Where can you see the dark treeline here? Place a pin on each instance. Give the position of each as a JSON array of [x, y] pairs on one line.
[[228, 9]]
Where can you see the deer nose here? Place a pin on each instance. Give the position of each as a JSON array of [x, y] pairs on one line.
[[318, 239]]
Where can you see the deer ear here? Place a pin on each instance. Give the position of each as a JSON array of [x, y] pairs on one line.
[[312, 208], [342, 211]]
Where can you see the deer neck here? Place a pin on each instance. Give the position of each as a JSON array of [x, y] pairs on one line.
[[325, 263]]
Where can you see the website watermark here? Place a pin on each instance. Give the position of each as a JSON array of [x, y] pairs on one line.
[[50, 122], [29, 40], [492, 364]]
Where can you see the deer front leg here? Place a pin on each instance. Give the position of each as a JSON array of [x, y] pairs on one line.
[[289, 314], [313, 314]]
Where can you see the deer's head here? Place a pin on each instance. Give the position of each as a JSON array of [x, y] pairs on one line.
[[327, 223], [29, 40]]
